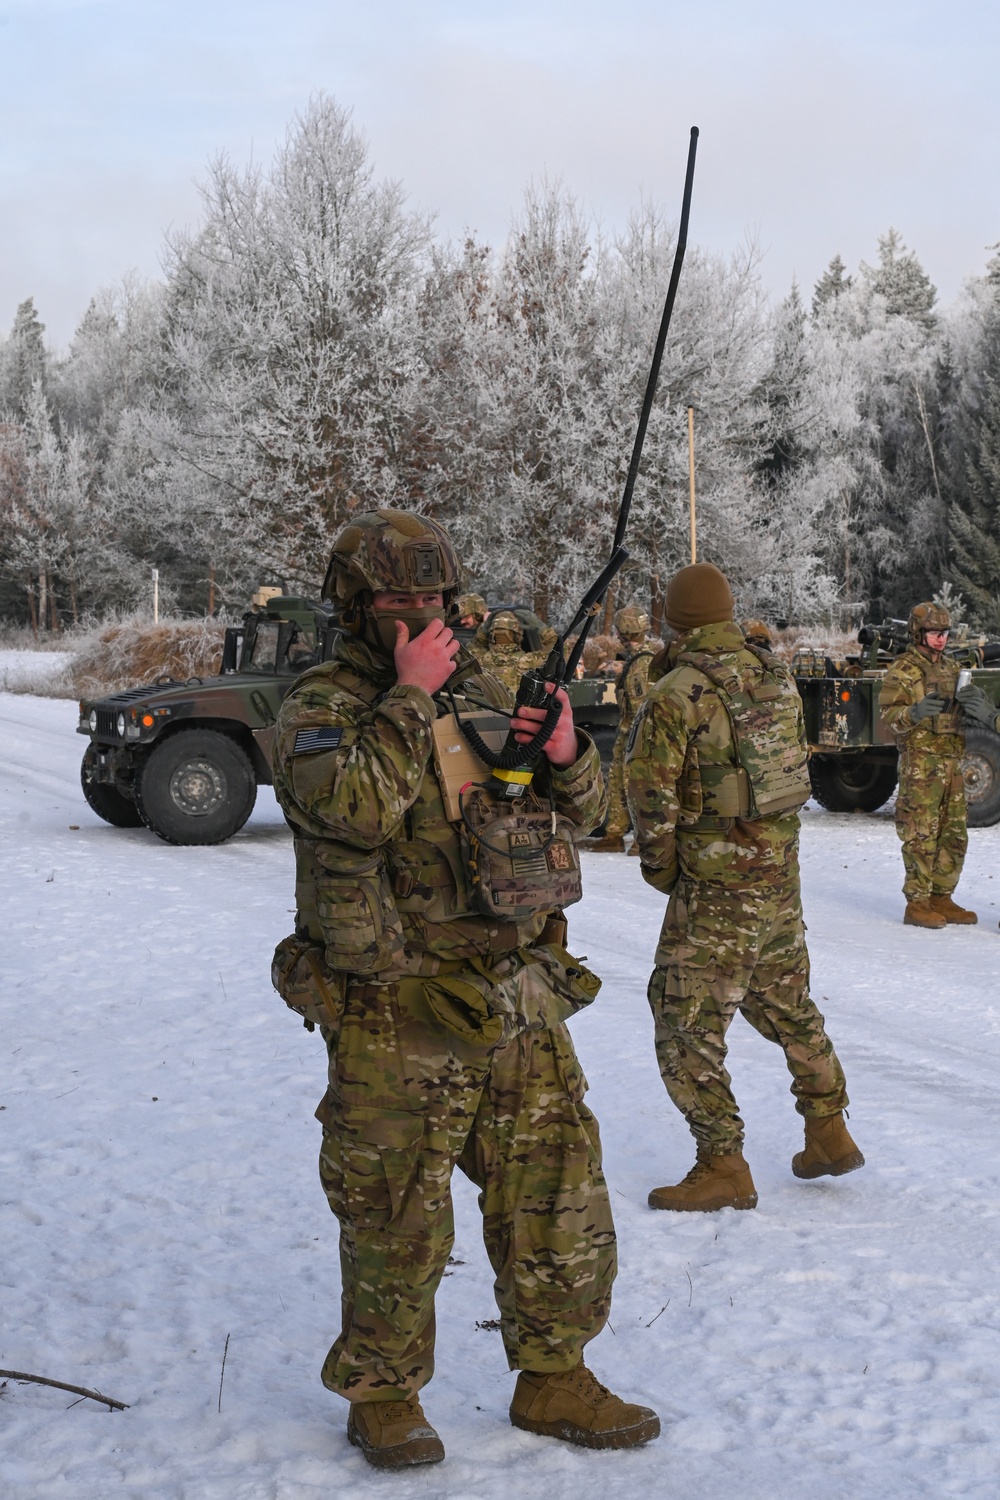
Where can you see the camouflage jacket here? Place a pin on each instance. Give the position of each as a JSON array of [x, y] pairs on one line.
[[354, 774], [911, 677], [632, 684], [508, 663], [682, 731]]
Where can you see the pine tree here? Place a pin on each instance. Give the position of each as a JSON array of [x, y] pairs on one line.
[[901, 280], [974, 517], [830, 285], [23, 361]]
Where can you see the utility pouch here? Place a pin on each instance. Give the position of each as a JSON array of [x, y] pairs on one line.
[[479, 1007], [356, 909], [299, 976], [520, 863], [553, 985], [456, 763]]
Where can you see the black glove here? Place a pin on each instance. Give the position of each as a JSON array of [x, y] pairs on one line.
[[976, 704], [927, 707]]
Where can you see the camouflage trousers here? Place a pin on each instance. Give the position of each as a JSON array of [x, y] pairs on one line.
[[931, 822], [408, 1100], [618, 820], [721, 951]]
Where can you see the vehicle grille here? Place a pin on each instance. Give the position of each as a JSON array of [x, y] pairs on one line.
[[106, 725]]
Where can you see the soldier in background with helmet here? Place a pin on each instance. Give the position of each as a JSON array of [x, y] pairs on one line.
[[631, 626], [444, 1025], [716, 772], [472, 611], [500, 645], [758, 633], [918, 704]]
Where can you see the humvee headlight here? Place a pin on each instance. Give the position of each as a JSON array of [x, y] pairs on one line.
[[92, 721], [120, 722]]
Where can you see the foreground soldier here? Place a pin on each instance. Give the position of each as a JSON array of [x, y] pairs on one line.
[[918, 704], [716, 773], [444, 1025], [631, 625]]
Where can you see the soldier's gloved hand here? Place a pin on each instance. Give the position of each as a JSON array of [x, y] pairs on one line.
[[927, 707], [976, 704]]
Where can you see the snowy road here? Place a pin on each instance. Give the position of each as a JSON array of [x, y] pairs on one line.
[[158, 1193]]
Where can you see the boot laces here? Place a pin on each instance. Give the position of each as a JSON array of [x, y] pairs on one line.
[[587, 1384]]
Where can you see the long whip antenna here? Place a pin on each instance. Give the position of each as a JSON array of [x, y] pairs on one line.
[[625, 508]]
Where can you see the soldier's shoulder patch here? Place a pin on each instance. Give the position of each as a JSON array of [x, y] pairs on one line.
[[317, 737]]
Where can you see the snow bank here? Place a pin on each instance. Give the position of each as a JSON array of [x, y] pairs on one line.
[[46, 672], [157, 1162]]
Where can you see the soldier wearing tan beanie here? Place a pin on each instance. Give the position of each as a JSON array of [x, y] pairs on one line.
[[715, 775]]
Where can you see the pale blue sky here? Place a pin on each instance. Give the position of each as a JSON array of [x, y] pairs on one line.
[[822, 124]]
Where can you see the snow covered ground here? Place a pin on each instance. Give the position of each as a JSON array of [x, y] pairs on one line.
[[158, 1192], [35, 671]]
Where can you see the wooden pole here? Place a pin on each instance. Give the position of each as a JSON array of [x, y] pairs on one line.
[[694, 542], [211, 590]]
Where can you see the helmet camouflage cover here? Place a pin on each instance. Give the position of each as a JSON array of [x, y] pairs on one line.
[[472, 604], [758, 633], [631, 621], [927, 616], [391, 551], [505, 629]]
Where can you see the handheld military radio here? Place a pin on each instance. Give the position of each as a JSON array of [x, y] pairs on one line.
[[513, 767]]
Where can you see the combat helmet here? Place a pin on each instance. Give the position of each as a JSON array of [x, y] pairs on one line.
[[504, 630], [396, 552], [631, 622], [473, 605], [758, 633], [924, 617]]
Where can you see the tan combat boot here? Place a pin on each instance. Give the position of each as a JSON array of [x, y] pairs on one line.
[[829, 1150], [713, 1182], [393, 1434], [575, 1406], [608, 843], [922, 914], [959, 916]]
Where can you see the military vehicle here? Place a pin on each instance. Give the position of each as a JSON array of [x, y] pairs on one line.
[[852, 762], [186, 758]]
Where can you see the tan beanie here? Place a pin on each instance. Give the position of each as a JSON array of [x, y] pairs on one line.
[[698, 595]]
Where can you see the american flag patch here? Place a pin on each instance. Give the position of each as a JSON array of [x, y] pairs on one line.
[[322, 737]]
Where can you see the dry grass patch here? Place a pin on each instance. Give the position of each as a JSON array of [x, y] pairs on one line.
[[133, 653]]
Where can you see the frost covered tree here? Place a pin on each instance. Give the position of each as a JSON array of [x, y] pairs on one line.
[[23, 361], [291, 351], [974, 450]]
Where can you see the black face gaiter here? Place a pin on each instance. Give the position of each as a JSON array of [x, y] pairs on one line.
[[382, 623]]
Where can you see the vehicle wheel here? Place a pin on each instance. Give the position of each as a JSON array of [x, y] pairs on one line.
[[106, 800], [851, 783], [195, 787], [981, 770]]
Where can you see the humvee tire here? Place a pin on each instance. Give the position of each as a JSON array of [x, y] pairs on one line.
[[197, 786], [981, 770], [107, 801], [851, 783]]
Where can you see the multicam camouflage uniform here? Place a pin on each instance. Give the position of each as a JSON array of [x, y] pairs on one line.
[[498, 646], [630, 693], [733, 936], [930, 804], [410, 1095]]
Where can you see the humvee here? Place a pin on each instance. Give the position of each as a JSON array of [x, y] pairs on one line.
[[186, 758]]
